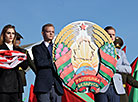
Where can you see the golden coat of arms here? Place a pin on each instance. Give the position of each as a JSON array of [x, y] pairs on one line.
[[85, 56]]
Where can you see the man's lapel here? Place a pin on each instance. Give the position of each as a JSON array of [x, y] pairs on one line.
[[45, 49]]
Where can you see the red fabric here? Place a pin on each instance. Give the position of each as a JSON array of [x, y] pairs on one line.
[[69, 96], [10, 59], [133, 64], [32, 97], [124, 49], [91, 95]]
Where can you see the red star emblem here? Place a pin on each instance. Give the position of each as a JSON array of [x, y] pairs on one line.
[[83, 26]]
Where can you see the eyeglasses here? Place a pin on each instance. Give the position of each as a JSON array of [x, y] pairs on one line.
[[10, 32]]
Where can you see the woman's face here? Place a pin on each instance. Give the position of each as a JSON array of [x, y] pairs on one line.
[[9, 35]]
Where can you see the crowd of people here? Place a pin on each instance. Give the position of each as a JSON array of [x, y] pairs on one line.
[[48, 86]]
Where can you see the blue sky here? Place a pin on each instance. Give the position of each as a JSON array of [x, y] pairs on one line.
[[29, 15]]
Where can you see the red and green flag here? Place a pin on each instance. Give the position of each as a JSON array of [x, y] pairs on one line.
[[107, 64], [124, 49], [70, 96], [32, 96], [133, 92]]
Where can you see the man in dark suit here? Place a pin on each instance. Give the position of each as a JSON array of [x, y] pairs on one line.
[[48, 86]]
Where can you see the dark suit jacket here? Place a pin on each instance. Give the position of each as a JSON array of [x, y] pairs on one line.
[[127, 78], [46, 75], [10, 79]]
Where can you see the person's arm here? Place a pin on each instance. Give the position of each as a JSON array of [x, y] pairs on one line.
[[40, 60], [31, 63], [124, 66], [132, 81], [23, 65]]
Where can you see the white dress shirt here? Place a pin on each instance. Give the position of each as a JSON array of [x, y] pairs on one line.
[[46, 43]]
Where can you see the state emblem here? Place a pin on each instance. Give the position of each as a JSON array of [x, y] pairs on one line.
[[85, 56]]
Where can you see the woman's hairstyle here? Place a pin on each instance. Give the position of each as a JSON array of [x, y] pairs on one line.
[[4, 30]]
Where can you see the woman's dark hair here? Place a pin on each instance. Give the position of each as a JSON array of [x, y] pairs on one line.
[[4, 30]]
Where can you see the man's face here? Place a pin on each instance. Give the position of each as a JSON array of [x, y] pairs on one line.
[[111, 32], [48, 33], [17, 43]]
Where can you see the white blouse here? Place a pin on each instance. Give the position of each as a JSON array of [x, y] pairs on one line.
[[9, 46]]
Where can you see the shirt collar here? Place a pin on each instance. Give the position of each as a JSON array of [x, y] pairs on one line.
[[46, 43], [9, 46]]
